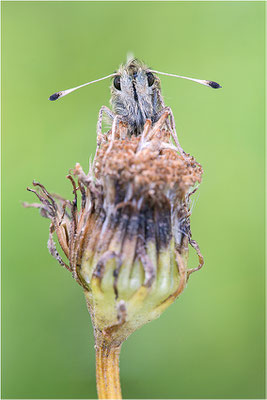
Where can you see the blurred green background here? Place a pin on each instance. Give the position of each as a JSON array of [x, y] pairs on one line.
[[210, 343]]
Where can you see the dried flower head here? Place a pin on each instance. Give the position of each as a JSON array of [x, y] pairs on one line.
[[127, 243]]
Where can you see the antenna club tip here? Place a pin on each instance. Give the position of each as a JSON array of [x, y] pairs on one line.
[[214, 85], [54, 96]]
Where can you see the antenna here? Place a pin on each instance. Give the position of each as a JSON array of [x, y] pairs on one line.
[[58, 95], [211, 84]]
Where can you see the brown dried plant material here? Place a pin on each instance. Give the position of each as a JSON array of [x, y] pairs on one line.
[[127, 242]]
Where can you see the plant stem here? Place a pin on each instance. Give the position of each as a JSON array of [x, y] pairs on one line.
[[107, 371]]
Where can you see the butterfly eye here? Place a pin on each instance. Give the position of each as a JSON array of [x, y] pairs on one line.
[[150, 78], [117, 82]]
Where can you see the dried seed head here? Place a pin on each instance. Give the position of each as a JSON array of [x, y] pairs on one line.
[[127, 244]]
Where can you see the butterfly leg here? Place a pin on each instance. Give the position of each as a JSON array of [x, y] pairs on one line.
[[171, 126], [110, 114]]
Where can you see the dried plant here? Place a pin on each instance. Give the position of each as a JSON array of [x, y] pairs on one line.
[[127, 243]]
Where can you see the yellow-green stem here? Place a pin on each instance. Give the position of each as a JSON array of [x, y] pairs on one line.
[[107, 371]]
